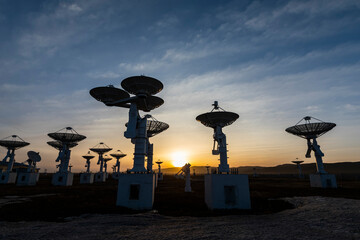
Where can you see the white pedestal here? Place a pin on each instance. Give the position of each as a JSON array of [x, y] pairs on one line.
[[136, 191], [6, 177], [227, 191], [62, 179], [27, 179], [100, 177], [115, 175], [323, 180], [86, 178]]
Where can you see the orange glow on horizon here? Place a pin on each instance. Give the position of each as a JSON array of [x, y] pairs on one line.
[[179, 158]]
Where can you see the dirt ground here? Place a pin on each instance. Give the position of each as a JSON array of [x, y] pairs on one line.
[[283, 208]]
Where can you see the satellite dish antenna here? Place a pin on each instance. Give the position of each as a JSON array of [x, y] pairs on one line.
[[185, 171], [59, 145], [12, 143], [34, 157], [153, 127], [217, 119], [311, 131], [143, 88], [88, 157], [106, 159], [158, 162], [298, 162], [100, 149], [65, 139], [117, 155], [67, 135]]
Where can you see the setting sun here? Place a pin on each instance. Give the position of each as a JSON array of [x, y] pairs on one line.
[[179, 159]]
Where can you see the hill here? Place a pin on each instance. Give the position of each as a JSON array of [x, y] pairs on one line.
[[307, 168]]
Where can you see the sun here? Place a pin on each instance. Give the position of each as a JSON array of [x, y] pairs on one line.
[[179, 159]]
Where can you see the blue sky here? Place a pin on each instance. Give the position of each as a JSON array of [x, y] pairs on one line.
[[272, 62]]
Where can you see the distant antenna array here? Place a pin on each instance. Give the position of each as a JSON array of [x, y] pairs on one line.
[[12, 143], [310, 131], [65, 139], [217, 119], [143, 88]]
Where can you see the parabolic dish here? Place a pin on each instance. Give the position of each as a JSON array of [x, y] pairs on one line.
[[88, 156], [107, 158], [149, 103], [100, 148], [213, 119], [59, 145], [34, 156], [67, 135], [142, 85], [13, 142], [159, 162], [311, 130], [155, 127], [297, 162], [108, 94], [118, 154]]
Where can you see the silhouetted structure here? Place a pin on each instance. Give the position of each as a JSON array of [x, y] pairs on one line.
[[223, 190], [311, 131]]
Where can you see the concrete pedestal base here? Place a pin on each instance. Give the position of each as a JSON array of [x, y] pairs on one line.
[[100, 177], [62, 179], [227, 191], [323, 180], [27, 179], [115, 175], [6, 177], [86, 178], [136, 191]]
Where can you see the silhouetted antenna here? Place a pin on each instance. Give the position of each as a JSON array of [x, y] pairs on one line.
[[217, 120], [311, 131]]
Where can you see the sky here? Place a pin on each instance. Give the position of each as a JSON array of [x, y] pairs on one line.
[[271, 62]]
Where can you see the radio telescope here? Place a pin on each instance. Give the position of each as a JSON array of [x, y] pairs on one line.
[[87, 177], [217, 120], [142, 88], [88, 158], [223, 190], [118, 155], [153, 128], [116, 168], [11, 143], [106, 159], [160, 175], [311, 131], [34, 157], [298, 162], [185, 171], [65, 139], [100, 149], [31, 176]]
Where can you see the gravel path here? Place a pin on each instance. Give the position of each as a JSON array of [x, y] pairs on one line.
[[314, 218]]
